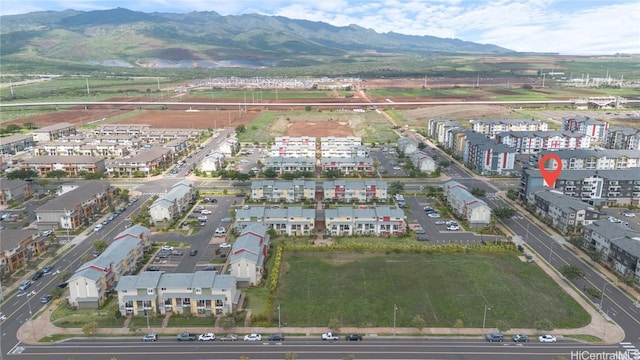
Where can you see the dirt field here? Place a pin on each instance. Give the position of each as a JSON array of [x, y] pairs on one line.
[[458, 112], [202, 119], [318, 129]]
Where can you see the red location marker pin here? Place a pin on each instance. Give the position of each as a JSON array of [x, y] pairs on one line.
[[550, 176]]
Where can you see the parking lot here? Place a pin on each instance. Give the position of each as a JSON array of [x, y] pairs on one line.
[[390, 165]]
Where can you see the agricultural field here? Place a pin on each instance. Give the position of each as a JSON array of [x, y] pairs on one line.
[[360, 289]]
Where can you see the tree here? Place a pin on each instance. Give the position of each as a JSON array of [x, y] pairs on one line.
[[543, 325], [334, 325], [227, 322], [332, 174], [240, 176], [419, 322], [43, 183], [270, 173], [571, 272], [100, 245], [90, 328], [478, 192], [290, 355], [21, 174], [29, 126], [307, 108], [12, 128], [504, 212], [64, 275], [502, 326], [395, 187], [58, 174], [458, 325], [421, 146]]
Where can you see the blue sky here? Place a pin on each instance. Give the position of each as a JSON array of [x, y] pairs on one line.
[[580, 27]]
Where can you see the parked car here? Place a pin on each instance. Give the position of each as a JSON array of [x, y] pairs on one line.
[[98, 227], [420, 232], [422, 238], [153, 268], [24, 285], [353, 337], [185, 336], [45, 299], [494, 337], [150, 337], [439, 222], [207, 337], [253, 337], [225, 245], [276, 337], [453, 228], [226, 220], [221, 230], [177, 253], [47, 233], [433, 215], [547, 338], [193, 252], [167, 248], [62, 285], [162, 255], [520, 338], [628, 214], [206, 212], [229, 337]]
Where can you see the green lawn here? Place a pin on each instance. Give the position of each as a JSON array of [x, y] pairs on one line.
[[360, 289]]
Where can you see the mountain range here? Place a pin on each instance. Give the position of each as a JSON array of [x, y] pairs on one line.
[[125, 38]]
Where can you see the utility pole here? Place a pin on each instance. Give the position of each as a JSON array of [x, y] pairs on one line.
[[604, 287], [395, 310], [484, 318], [88, 92], [278, 316]]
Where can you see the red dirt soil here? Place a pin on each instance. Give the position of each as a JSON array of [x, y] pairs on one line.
[[318, 129]]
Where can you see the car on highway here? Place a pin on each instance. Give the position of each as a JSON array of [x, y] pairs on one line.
[[229, 337], [253, 337], [207, 337], [37, 275], [494, 337], [150, 337], [547, 338], [225, 245], [276, 337], [185, 336], [45, 299], [433, 215], [520, 338], [353, 337], [24, 285], [47, 269], [193, 252]]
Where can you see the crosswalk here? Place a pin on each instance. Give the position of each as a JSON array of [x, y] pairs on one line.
[[631, 350], [154, 193]]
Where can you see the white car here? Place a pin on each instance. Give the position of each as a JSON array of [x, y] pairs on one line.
[[453, 228], [628, 214], [433, 215], [225, 245], [253, 337], [439, 222], [207, 337], [167, 248], [547, 338], [205, 212], [221, 230]]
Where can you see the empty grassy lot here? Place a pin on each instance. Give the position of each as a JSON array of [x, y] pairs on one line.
[[259, 95], [360, 289]]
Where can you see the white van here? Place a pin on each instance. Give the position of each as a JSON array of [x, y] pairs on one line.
[[98, 227]]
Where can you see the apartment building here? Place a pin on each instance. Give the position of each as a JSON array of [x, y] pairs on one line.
[[406, 146], [283, 191], [596, 187], [292, 221], [248, 255], [288, 146], [212, 162], [600, 159], [283, 165], [474, 211], [174, 203], [362, 191], [529, 142], [202, 293], [623, 139], [377, 220], [342, 147], [619, 245], [144, 163], [566, 213], [53, 132], [12, 144], [596, 129], [491, 127], [348, 166], [14, 190], [18, 247], [440, 129]]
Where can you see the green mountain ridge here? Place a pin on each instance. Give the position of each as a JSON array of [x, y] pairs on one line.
[[132, 37]]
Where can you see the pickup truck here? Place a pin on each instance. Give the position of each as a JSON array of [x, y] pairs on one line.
[[329, 336]]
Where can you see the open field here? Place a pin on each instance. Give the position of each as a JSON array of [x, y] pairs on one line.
[[371, 126], [360, 289]]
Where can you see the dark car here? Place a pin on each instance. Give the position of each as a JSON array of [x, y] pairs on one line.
[[37, 275], [520, 338], [422, 238], [153, 268], [45, 299], [276, 337], [495, 337], [353, 337], [193, 252], [62, 285], [185, 336]]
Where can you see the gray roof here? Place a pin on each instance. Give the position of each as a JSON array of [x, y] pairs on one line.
[[58, 126], [542, 134], [584, 120], [146, 155], [69, 200], [618, 234], [567, 203], [144, 280], [347, 160], [113, 254], [72, 159], [178, 191], [7, 184], [625, 130], [10, 238], [580, 174], [504, 121], [588, 153], [136, 231]]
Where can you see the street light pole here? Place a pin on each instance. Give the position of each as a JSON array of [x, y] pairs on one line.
[[484, 318], [33, 327], [604, 286], [278, 316], [395, 309]]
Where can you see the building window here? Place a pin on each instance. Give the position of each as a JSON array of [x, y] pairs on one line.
[[198, 291], [149, 291]]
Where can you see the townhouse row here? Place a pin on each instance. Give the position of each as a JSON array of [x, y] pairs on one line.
[[341, 221], [465, 206], [329, 147], [343, 165], [618, 244], [334, 190]]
